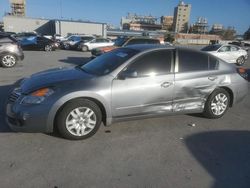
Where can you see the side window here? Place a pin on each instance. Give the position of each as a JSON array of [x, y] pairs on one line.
[[234, 48], [225, 49], [152, 64], [99, 40], [134, 41], [192, 61]]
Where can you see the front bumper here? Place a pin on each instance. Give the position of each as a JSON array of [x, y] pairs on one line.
[[26, 119]]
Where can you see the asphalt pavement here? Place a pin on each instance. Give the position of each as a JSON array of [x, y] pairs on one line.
[[185, 151]]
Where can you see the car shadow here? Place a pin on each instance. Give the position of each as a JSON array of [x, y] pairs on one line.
[[4, 93], [225, 155], [76, 60]]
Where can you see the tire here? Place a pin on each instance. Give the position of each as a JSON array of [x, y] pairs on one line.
[[48, 48], [73, 122], [66, 46], [85, 48], [240, 61], [8, 60], [217, 104]]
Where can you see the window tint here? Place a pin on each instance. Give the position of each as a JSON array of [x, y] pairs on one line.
[[99, 40], [234, 48], [108, 62], [211, 48], [213, 63], [192, 61], [153, 63], [143, 41], [225, 49]]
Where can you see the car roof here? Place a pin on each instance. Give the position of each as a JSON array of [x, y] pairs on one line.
[[145, 47]]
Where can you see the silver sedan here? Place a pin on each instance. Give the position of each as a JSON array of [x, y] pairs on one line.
[[139, 81]]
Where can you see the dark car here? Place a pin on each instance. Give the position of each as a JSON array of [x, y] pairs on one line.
[[128, 83], [23, 35], [123, 42], [37, 43], [75, 42], [10, 51]]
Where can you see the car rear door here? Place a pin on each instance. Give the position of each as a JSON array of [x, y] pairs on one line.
[[150, 91], [195, 78]]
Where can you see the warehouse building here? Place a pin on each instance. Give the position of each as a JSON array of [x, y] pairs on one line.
[[51, 27]]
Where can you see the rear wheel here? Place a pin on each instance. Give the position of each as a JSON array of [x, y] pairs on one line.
[[240, 61], [8, 60], [217, 104], [48, 48], [85, 48], [79, 119]]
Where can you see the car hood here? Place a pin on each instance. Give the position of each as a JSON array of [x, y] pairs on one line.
[[52, 78]]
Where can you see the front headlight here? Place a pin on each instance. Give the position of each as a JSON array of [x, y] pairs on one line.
[[38, 96]]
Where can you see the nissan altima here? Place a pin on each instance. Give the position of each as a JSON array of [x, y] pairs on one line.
[[139, 81]]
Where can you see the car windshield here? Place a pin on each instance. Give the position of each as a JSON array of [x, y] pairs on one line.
[[120, 41], [211, 48], [108, 62]]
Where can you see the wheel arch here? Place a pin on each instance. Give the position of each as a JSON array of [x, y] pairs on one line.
[[58, 106], [231, 95]]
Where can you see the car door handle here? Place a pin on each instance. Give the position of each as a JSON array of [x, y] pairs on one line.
[[166, 84], [212, 78]]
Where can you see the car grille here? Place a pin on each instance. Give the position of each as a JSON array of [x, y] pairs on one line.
[[14, 96]]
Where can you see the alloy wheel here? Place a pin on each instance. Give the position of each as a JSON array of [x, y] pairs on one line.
[[81, 121], [219, 104], [8, 60]]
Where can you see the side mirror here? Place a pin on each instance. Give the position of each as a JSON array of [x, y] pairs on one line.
[[127, 74]]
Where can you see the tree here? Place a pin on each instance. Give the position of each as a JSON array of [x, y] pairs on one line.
[[247, 34], [229, 34]]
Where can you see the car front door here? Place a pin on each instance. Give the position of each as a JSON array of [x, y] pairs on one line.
[[225, 53], [147, 88], [195, 78]]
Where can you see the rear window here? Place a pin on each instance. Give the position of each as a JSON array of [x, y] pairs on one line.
[[211, 48], [195, 61]]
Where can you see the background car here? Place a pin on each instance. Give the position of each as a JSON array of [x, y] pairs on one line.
[[127, 83], [229, 53], [95, 43], [21, 36], [38, 43], [10, 51], [122, 42], [75, 42], [243, 45]]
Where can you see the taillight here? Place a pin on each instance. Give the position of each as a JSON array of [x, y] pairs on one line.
[[244, 73]]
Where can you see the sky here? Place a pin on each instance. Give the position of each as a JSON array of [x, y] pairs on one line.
[[227, 12]]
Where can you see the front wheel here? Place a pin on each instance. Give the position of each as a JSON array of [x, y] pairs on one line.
[[8, 60], [240, 61], [217, 104], [79, 119]]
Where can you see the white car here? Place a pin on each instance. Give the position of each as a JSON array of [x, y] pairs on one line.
[[96, 43], [228, 53]]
